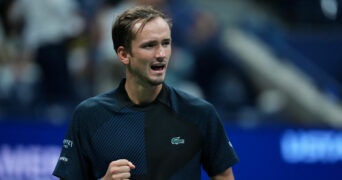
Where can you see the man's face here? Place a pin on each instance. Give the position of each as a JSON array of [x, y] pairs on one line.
[[150, 52]]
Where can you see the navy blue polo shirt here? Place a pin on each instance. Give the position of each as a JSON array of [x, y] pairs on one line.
[[168, 139]]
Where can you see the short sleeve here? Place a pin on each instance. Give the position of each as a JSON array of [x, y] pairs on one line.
[[218, 152], [73, 162]]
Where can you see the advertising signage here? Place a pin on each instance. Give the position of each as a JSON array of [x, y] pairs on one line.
[[30, 151]]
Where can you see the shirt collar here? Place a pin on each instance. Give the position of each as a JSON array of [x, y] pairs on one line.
[[124, 101]]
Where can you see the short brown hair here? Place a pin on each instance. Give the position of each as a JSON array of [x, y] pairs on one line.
[[122, 34]]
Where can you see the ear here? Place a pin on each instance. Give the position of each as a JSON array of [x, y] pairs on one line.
[[123, 55]]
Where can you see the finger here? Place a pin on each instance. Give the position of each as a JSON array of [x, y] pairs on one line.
[[131, 165], [120, 162], [121, 176], [119, 169]]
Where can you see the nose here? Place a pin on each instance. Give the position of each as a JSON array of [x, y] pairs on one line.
[[160, 52]]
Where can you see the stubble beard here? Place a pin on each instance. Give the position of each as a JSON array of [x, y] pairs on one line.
[[145, 78]]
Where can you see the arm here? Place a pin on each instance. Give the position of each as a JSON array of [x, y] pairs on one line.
[[225, 175]]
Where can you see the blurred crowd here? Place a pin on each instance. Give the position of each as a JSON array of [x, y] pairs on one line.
[[55, 53]]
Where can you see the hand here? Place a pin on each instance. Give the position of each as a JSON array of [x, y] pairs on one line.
[[119, 170]]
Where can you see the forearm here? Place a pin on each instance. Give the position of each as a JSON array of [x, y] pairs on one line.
[[226, 175]]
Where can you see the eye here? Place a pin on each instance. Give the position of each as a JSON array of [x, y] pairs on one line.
[[166, 43], [148, 45]]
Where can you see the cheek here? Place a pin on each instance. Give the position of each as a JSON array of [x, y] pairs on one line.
[[169, 55], [142, 56], [168, 51], [139, 63]]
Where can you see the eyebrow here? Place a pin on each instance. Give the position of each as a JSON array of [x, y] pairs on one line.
[[155, 41]]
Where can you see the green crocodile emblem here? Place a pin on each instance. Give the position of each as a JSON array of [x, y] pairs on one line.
[[177, 141]]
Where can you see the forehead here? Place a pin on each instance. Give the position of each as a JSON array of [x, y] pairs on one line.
[[155, 28]]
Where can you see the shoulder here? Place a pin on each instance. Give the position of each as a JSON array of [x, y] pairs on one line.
[[195, 110], [91, 113], [182, 101], [97, 103]]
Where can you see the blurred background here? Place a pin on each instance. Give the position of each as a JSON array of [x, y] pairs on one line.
[[273, 69]]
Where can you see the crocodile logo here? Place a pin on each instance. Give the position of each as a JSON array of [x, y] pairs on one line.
[[177, 141]]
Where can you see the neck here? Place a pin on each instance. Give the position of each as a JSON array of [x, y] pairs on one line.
[[141, 94]]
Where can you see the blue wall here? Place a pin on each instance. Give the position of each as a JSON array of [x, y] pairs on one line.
[[30, 151]]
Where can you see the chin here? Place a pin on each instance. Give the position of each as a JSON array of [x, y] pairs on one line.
[[156, 82]]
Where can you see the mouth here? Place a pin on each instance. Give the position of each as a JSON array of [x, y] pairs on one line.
[[158, 67]]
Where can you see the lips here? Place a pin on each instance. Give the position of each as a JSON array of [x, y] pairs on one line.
[[158, 67]]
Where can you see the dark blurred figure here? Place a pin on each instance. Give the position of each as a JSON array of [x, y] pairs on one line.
[[314, 29], [47, 28], [304, 12], [50, 47], [19, 75]]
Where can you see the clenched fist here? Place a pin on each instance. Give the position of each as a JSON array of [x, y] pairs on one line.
[[119, 170]]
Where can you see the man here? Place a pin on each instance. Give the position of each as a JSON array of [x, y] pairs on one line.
[[145, 129]]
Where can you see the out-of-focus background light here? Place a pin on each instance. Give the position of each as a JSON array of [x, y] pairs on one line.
[[330, 8]]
